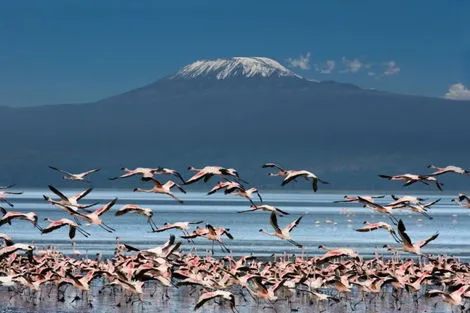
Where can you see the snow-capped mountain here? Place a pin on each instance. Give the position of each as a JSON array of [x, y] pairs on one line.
[[234, 67]]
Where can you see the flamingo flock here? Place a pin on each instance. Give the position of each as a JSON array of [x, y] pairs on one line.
[[328, 278]]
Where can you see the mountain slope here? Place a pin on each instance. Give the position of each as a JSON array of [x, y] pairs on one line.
[[345, 133]]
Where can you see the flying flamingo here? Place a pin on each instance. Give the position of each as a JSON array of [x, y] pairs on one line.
[[183, 226], [245, 193], [6, 239], [75, 177], [281, 172], [167, 171], [293, 174], [10, 215], [70, 201], [208, 171], [4, 252], [265, 207], [132, 208], [73, 227], [285, 232], [206, 296], [461, 198], [412, 178], [163, 189], [379, 225], [3, 194], [453, 298], [356, 198], [145, 172], [448, 169], [408, 246], [94, 217], [224, 185]]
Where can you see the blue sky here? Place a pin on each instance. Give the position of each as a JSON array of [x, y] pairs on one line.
[[81, 51]]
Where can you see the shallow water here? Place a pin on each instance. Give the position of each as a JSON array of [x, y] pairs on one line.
[[324, 222]]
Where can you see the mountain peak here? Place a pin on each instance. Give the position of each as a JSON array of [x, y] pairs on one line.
[[234, 67]]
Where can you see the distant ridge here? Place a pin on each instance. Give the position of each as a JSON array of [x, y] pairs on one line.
[[241, 112]]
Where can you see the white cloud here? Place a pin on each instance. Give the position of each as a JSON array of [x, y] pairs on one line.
[[458, 92], [303, 62], [351, 65], [326, 68], [391, 68]]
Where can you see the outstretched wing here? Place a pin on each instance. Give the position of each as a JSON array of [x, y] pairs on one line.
[[402, 233], [58, 193], [59, 170], [273, 220], [422, 243], [292, 225], [83, 193], [106, 207]]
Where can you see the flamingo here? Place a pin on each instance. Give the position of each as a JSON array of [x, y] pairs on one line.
[[285, 232], [206, 296], [245, 193], [167, 171], [453, 298], [281, 172], [413, 178], [10, 215], [132, 208], [145, 172], [4, 252], [162, 251], [335, 253], [224, 185], [75, 177], [73, 227], [448, 169], [384, 209], [408, 246], [163, 189], [94, 217], [183, 226], [265, 207], [293, 174], [461, 198], [3, 194], [70, 201], [356, 198], [6, 239], [208, 171], [379, 225]]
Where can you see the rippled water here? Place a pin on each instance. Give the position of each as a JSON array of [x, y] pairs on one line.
[[324, 222]]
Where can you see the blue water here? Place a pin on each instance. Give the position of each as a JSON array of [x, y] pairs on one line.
[[324, 222]]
